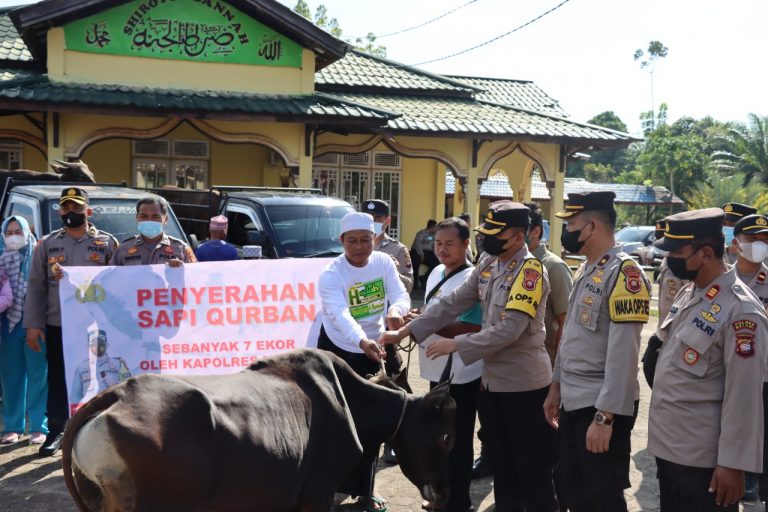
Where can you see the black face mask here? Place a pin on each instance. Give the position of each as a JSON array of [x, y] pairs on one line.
[[73, 219], [570, 240], [494, 246], [677, 267]]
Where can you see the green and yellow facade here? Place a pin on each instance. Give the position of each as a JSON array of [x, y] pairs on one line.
[[195, 93]]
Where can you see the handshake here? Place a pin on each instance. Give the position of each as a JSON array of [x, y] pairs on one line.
[[399, 330]]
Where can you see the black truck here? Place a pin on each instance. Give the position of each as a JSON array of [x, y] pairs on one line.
[[286, 223]]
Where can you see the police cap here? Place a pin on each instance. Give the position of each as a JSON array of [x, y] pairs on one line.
[[684, 228], [74, 194], [736, 211], [751, 225], [581, 202], [502, 215], [375, 207], [95, 335]]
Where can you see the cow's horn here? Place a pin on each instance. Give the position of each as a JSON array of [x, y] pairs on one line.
[[446, 376]]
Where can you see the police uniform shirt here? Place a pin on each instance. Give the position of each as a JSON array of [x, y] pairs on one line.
[[400, 254], [561, 284], [136, 251], [596, 362], [107, 370], [95, 248], [758, 283], [511, 342], [669, 286], [706, 406]]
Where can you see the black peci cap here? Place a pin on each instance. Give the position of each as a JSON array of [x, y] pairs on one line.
[[751, 225], [75, 194], [581, 202], [375, 207], [661, 227], [736, 211], [502, 215], [684, 228]]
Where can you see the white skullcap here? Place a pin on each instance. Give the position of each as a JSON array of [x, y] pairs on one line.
[[356, 221]]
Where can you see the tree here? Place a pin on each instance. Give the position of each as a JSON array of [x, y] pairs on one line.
[[743, 148], [602, 166], [321, 19], [718, 190], [656, 50]]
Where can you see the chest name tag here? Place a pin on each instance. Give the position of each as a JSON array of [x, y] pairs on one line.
[[526, 291], [630, 299], [366, 299]]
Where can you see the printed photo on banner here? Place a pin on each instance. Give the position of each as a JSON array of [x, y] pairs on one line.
[[124, 321]]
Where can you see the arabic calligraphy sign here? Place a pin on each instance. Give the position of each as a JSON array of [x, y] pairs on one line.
[[194, 30]]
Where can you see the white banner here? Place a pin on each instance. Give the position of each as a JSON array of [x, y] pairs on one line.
[[198, 319]]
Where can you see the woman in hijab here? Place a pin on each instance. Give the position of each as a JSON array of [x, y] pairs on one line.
[[23, 373]]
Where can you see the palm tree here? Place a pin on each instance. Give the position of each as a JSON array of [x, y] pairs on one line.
[[744, 149]]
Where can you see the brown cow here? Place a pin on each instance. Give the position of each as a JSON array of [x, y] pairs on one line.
[[77, 172], [280, 436]]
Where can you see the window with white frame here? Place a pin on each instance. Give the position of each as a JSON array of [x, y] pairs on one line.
[[177, 162], [356, 177], [10, 154]]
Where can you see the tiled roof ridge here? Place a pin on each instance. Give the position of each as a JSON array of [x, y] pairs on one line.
[[434, 76], [558, 118], [473, 77]]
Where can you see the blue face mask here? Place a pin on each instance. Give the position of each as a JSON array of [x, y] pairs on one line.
[[150, 228]]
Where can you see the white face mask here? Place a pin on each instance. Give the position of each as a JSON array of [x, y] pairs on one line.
[[15, 242], [378, 228], [755, 252]]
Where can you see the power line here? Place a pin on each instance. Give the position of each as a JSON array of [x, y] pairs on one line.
[[420, 24], [537, 18]]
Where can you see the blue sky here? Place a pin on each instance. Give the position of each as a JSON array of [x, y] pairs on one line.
[[582, 53]]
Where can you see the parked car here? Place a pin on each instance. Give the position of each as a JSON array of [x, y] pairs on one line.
[[638, 242], [286, 223], [114, 207]]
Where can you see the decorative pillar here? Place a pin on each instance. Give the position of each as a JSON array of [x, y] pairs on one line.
[[305, 157], [556, 193]]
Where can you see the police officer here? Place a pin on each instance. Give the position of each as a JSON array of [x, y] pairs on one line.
[[594, 394], [379, 210], [107, 371], [734, 212], [151, 245], [705, 423], [669, 285], [751, 241], [78, 243], [513, 288]]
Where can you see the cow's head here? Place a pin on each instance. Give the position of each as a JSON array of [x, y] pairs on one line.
[[424, 439], [73, 171]]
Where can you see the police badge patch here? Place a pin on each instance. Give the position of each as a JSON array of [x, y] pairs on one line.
[[745, 344], [690, 356], [530, 277]]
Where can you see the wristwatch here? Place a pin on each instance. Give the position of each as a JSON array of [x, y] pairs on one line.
[[602, 419]]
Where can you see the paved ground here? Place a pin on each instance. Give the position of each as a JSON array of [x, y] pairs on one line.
[[31, 484]]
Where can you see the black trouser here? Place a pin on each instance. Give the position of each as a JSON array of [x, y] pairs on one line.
[[360, 481], [686, 489], [521, 445], [58, 403], [460, 458], [416, 262], [594, 482]]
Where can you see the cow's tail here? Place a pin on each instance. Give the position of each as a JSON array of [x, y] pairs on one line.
[[99, 403]]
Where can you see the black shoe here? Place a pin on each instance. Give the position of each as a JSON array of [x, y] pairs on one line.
[[51, 445], [481, 468], [389, 455]]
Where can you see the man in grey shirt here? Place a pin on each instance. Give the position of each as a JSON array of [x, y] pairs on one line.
[[594, 393]]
